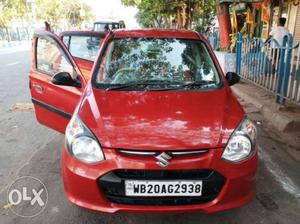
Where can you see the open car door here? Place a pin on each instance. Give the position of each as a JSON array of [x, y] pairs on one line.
[[52, 63], [84, 47]]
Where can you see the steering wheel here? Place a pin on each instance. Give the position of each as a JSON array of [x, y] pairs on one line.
[[124, 75]]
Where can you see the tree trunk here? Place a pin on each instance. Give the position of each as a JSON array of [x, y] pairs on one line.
[[225, 24], [179, 18], [184, 17]]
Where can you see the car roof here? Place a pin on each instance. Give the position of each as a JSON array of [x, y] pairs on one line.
[[84, 33], [188, 34], [105, 21]]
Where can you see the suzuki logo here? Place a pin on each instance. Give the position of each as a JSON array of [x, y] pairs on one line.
[[163, 159]]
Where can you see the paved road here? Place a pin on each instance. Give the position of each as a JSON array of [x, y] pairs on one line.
[[21, 136], [27, 148]]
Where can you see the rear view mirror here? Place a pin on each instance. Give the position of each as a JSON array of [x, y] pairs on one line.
[[65, 79], [232, 78]]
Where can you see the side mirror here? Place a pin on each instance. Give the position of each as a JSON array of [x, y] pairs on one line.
[[232, 78], [65, 79]]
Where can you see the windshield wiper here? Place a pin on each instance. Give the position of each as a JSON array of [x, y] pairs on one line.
[[124, 86], [198, 84], [143, 84], [202, 83], [168, 85]]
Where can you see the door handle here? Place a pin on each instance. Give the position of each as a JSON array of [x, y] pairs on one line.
[[38, 88]]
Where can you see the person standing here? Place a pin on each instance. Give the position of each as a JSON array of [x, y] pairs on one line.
[[279, 31]]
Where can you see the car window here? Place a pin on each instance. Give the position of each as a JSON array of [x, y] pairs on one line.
[[99, 27], [66, 40], [84, 47], [50, 58], [130, 60]]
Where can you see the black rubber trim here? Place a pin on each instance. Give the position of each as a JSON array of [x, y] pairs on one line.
[[51, 108]]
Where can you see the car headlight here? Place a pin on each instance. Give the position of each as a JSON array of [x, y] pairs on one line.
[[81, 143], [242, 142]]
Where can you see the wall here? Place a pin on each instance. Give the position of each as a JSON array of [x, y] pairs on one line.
[[291, 20], [297, 27]]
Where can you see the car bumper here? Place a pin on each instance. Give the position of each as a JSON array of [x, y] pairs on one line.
[[81, 181]]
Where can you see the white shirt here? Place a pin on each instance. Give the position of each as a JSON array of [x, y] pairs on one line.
[[278, 33]]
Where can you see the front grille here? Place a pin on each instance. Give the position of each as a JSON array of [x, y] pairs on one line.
[[113, 186], [163, 174], [172, 153]]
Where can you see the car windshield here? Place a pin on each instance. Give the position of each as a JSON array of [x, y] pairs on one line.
[[164, 62]]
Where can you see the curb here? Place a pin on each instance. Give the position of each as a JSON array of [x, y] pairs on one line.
[[281, 121]]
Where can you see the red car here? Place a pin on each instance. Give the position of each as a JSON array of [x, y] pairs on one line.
[[155, 129]]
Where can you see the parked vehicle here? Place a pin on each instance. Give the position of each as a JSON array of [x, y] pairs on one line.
[[155, 129], [107, 24]]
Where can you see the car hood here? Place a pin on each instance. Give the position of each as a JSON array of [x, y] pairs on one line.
[[167, 120]]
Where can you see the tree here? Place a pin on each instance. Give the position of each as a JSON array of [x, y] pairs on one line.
[[152, 13], [173, 13], [17, 9], [53, 11], [3, 16], [204, 15], [73, 15], [144, 19]]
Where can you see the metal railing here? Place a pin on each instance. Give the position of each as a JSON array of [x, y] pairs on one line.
[[10, 36], [270, 65]]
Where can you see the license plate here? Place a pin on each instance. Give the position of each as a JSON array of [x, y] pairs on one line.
[[163, 188]]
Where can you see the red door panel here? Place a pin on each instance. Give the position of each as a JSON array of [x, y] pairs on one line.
[[85, 67], [54, 104]]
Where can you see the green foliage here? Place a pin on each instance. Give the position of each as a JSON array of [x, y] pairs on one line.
[[3, 20], [144, 20], [204, 15], [53, 11], [158, 13], [152, 13], [72, 13], [16, 8], [9, 9]]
